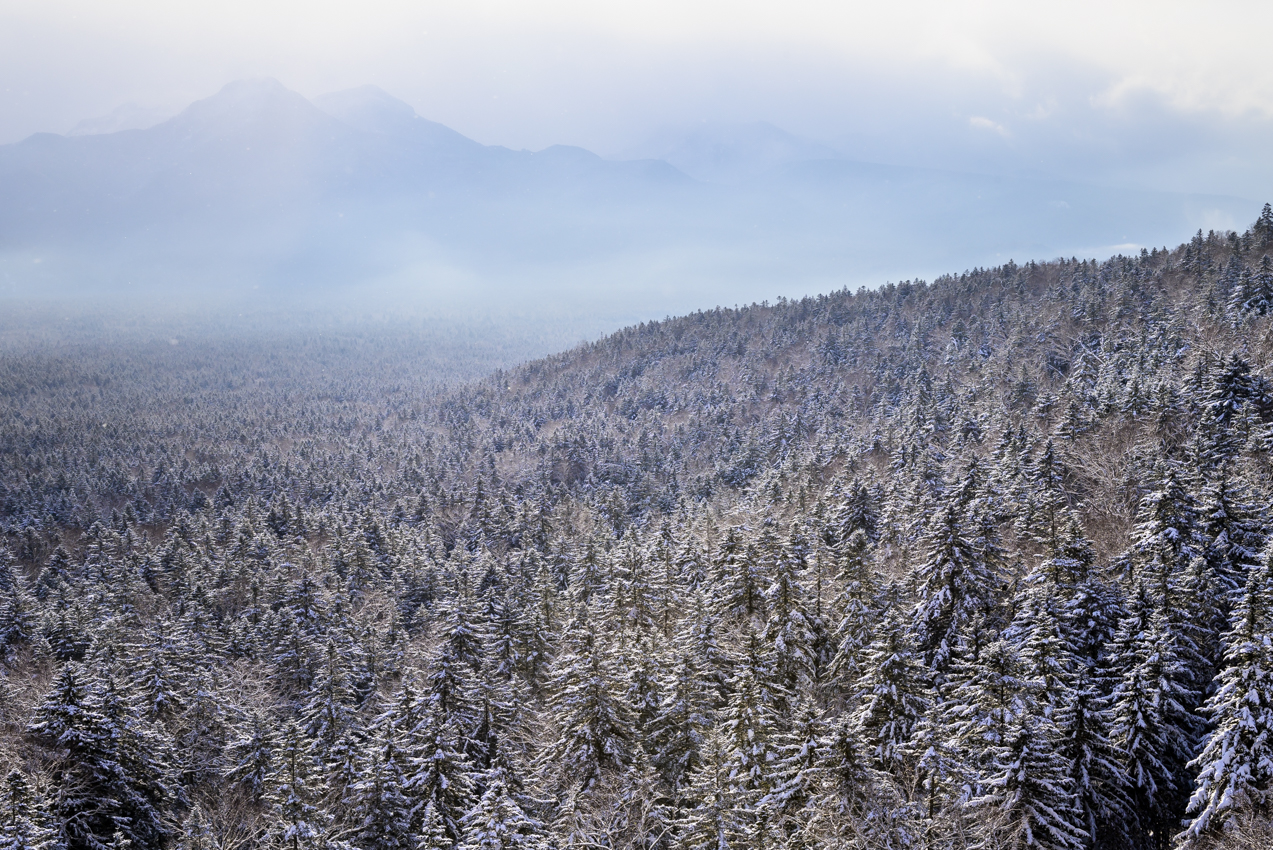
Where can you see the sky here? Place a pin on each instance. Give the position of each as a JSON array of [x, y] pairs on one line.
[[1165, 95]]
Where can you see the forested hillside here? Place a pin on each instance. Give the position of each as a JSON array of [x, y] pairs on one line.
[[979, 562]]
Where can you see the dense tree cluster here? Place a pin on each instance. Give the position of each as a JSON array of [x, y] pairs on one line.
[[981, 562]]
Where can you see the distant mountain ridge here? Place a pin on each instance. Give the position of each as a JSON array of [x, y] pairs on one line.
[[259, 186], [129, 116], [731, 153], [256, 139]]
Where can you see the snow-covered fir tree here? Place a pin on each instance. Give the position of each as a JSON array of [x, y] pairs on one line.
[[1235, 767]]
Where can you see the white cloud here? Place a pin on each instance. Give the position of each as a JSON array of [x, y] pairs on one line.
[[982, 123]]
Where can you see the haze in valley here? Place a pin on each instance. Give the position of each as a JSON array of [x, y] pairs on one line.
[[595, 164]]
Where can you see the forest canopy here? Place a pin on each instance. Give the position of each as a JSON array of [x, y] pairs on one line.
[[976, 562]]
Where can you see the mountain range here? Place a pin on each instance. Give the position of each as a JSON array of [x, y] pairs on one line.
[[259, 187]]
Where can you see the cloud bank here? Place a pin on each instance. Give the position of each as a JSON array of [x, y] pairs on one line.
[[1167, 95]]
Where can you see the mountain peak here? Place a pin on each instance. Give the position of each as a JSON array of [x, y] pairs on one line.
[[255, 111], [368, 108], [254, 93], [248, 101]]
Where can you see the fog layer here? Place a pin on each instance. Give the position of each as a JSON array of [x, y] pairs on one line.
[[259, 195]]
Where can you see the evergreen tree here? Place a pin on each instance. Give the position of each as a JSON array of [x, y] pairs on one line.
[[1262, 230], [677, 730], [641, 693], [328, 712], [1049, 499], [1232, 388], [251, 756], [433, 833], [1096, 770], [1262, 300], [751, 720], [1047, 659], [856, 606], [958, 579], [451, 689], [738, 593], [1030, 791], [438, 772], [103, 765], [796, 771], [636, 592], [1153, 727], [1233, 535], [497, 822], [851, 800], [791, 634], [200, 734], [1167, 535], [985, 699], [295, 792], [461, 635], [595, 727], [714, 821], [379, 809], [893, 695], [1090, 607], [18, 622], [1235, 768], [700, 639], [857, 511], [22, 824]]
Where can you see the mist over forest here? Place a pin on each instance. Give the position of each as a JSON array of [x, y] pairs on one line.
[[257, 198], [378, 472]]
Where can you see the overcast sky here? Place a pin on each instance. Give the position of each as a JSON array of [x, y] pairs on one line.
[[1166, 94]]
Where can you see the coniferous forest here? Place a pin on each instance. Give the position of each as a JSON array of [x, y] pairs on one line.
[[985, 562]]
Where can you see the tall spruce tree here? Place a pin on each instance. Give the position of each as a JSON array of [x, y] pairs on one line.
[[595, 730], [1152, 725], [715, 820], [893, 695], [679, 726], [958, 580], [295, 791], [1030, 791], [1235, 768], [379, 808], [498, 822], [438, 772], [104, 765], [22, 824], [856, 604]]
